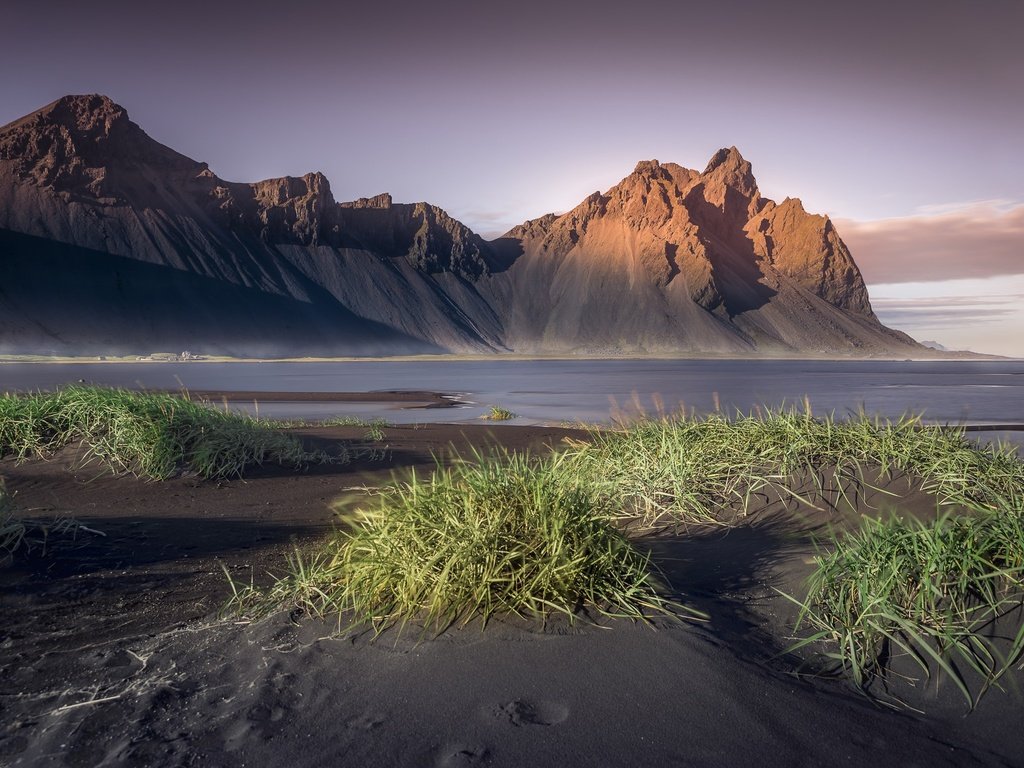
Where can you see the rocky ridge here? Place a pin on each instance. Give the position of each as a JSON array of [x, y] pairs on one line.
[[701, 253], [149, 247]]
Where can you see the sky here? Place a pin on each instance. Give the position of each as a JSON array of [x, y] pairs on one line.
[[900, 119]]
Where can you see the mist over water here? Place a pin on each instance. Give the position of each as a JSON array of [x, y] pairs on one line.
[[555, 391]]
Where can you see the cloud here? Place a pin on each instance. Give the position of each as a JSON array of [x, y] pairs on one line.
[[973, 240], [982, 319], [926, 317], [948, 311]]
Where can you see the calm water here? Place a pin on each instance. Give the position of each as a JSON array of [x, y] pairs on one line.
[[551, 391]]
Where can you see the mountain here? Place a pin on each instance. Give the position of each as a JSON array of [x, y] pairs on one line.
[[111, 241], [672, 259]]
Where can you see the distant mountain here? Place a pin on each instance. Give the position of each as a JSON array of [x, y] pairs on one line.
[[110, 241], [934, 345], [671, 259]]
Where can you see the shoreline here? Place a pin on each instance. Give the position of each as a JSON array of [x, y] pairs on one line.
[[409, 398], [963, 356], [415, 399]]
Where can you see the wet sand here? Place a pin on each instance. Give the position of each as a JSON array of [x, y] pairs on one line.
[[401, 398]]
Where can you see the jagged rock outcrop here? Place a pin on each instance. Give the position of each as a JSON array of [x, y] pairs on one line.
[[86, 148], [671, 260], [430, 239], [807, 249], [110, 240]]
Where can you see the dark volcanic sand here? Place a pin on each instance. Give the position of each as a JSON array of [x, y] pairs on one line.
[[110, 654]]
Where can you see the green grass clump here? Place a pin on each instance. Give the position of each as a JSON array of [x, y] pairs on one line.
[[375, 430], [374, 427], [926, 590], [351, 421], [693, 468], [510, 534], [152, 435], [930, 590], [497, 413]]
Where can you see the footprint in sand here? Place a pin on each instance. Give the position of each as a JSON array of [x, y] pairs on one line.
[[364, 722], [520, 713], [456, 755]]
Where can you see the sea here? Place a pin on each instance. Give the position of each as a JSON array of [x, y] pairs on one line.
[[975, 392]]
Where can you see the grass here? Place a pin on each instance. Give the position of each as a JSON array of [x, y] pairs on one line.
[[521, 535], [374, 427], [510, 534], [152, 435], [695, 469], [927, 590], [375, 430], [497, 413], [933, 592], [331, 421]]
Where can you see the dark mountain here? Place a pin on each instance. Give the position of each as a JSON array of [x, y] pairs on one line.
[[110, 241]]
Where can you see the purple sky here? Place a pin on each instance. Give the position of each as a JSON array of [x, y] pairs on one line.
[[901, 118]]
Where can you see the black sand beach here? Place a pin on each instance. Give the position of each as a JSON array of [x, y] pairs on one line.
[[112, 652]]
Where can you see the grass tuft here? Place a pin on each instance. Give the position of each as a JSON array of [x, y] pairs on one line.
[[375, 430], [930, 591], [694, 469], [152, 435], [497, 413], [509, 534]]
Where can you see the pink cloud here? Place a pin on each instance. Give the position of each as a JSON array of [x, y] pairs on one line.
[[972, 241]]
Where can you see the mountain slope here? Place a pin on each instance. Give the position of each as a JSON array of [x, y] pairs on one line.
[[81, 174], [672, 259], [111, 241]]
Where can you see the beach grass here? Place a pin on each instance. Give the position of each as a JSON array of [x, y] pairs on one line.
[[375, 430], [149, 434], [931, 591], [498, 413], [374, 427], [924, 589], [330, 421], [501, 534], [695, 469], [516, 534]]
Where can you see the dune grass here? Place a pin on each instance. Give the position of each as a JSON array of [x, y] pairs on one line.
[[152, 435], [928, 590], [522, 535], [941, 593], [375, 430], [505, 534], [693, 469], [498, 413]]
